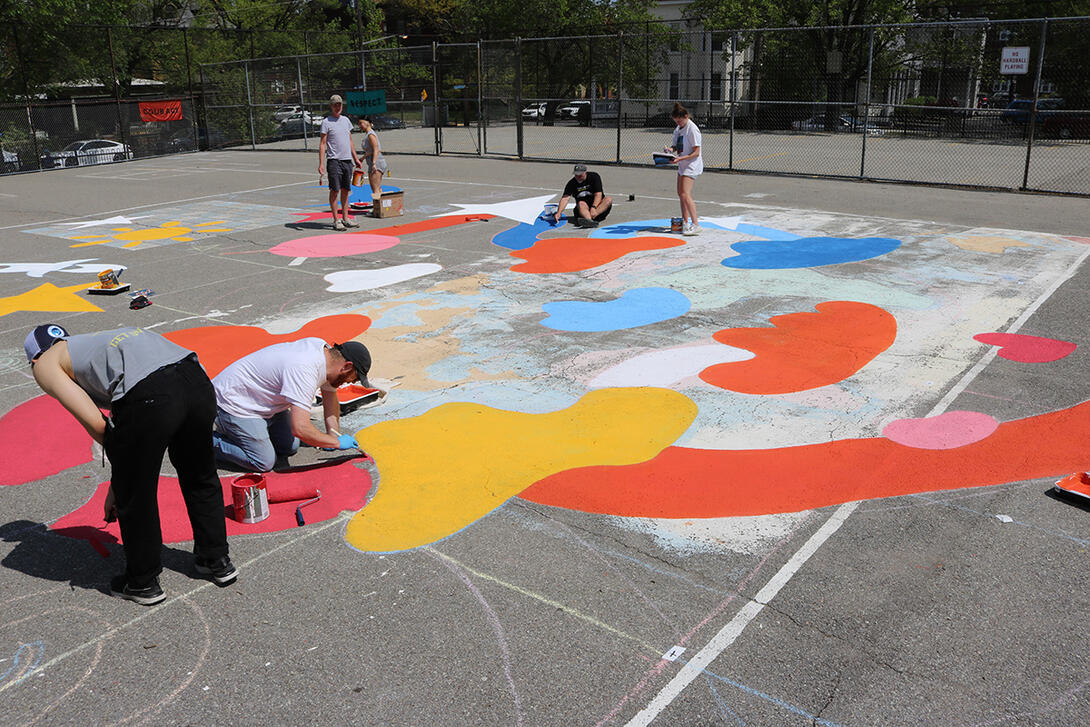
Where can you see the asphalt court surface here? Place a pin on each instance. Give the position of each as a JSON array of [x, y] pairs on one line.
[[529, 608]]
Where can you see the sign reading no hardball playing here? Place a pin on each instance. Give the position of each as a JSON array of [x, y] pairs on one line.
[[1015, 60], [361, 103]]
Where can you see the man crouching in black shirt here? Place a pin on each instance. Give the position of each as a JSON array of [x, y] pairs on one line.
[[591, 204]]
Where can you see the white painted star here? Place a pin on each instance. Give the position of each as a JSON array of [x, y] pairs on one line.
[[79, 267], [519, 210], [727, 223], [118, 220]]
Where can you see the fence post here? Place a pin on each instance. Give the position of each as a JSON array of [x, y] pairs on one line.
[[518, 95], [1036, 99], [302, 106], [250, 106], [481, 140], [204, 108], [733, 82], [192, 95], [866, 104], [117, 87], [620, 93], [435, 97]]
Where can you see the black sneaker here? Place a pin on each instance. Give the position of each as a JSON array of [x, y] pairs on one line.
[[146, 596], [220, 570], [585, 222]]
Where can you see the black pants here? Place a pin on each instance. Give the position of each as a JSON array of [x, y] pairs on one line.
[[170, 410]]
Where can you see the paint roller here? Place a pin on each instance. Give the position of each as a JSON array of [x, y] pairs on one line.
[[291, 491]]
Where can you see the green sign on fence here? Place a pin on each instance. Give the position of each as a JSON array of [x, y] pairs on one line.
[[361, 103]]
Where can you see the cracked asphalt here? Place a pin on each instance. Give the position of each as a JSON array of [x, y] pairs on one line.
[[916, 610]]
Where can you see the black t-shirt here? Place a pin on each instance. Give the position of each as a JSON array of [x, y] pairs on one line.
[[584, 191]]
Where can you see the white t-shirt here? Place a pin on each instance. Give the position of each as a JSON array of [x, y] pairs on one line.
[[338, 140], [685, 140], [273, 379]]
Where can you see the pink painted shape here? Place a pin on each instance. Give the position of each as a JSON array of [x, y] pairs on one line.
[[344, 487], [40, 439], [339, 245], [945, 431], [1027, 349]]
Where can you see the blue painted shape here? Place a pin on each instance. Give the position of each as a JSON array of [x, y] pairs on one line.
[[637, 307], [522, 235], [807, 252], [358, 194], [628, 229]]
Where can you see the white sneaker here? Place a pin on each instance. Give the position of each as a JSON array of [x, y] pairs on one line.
[[349, 222], [693, 230], [339, 226]]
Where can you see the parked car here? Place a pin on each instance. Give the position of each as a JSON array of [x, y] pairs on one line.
[[285, 112], [817, 123], [294, 124], [87, 151], [386, 123], [1068, 126], [11, 162], [571, 109], [535, 112], [1018, 111], [182, 140]]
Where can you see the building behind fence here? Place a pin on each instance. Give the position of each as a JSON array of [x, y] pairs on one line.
[[928, 103]]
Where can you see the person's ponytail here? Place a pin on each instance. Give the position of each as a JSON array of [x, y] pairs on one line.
[[679, 111]]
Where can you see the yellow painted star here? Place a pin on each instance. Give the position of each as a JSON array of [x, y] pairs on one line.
[[48, 297]]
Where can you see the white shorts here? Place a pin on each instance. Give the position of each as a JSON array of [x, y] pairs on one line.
[[692, 170]]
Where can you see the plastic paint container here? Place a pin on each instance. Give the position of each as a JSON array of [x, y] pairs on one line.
[[250, 497], [550, 210], [357, 178], [676, 224]]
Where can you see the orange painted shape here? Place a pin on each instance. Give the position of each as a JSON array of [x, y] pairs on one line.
[[218, 347], [804, 350], [682, 482], [570, 254], [435, 223]]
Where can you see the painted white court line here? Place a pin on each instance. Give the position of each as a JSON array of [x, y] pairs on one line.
[[733, 629]]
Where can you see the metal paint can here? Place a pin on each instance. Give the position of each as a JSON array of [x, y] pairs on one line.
[[250, 497], [357, 178], [676, 224]]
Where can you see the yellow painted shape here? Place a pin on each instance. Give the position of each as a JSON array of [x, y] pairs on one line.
[[986, 243], [451, 466], [48, 297]]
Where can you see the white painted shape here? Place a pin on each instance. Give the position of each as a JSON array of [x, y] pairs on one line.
[[747, 535], [520, 210], [350, 281], [733, 629], [666, 367], [728, 223], [297, 261], [78, 267], [1004, 518], [116, 220], [674, 652]]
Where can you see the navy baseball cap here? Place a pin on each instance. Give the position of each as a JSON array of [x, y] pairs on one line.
[[41, 338], [356, 353]]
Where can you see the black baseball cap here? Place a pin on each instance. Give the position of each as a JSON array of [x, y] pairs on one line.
[[580, 168], [360, 358], [41, 338]]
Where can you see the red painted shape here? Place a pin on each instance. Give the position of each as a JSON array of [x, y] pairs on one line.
[[435, 223], [40, 438], [804, 350], [571, 254], [219, 346], [682, 482], [343, 485], [1027, 349]]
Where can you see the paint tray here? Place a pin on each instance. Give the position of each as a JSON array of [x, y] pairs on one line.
[[97, 289], [1076, 485], [354, 396]]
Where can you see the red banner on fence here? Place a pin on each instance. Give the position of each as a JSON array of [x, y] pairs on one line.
[[160, 110]]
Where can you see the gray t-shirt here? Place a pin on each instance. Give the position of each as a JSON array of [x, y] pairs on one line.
[[109, 364], [338, 140]]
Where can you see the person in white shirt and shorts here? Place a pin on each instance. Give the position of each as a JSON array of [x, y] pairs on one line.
[[337, 158], [690, 164]]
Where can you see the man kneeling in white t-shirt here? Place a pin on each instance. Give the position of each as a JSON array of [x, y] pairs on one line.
[[264, 400]]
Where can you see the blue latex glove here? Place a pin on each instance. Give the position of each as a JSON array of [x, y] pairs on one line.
[[344, 441]]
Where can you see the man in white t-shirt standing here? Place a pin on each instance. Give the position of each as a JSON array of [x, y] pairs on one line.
[[337, 158], [263, 400]]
